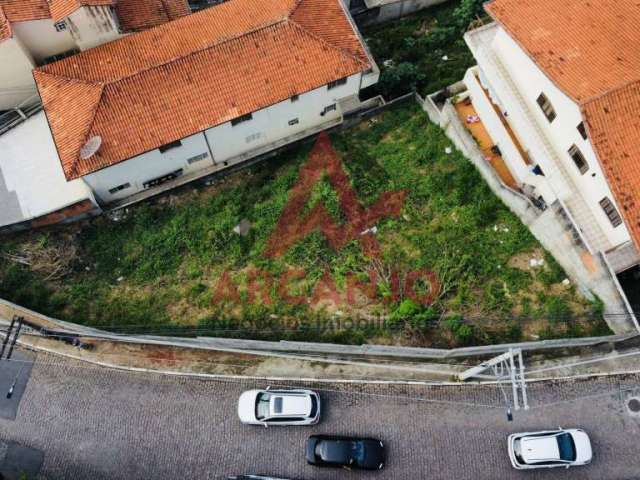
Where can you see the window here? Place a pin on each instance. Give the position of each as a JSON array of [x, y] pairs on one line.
[[336, 83], [243, 118], [293, 122], [160, 180], [583, 131], [328, 108], [611, 212], [578, 159], [119, 188], [169, 146], [197, 158], [546, 107], [60, 26], [295, 98]]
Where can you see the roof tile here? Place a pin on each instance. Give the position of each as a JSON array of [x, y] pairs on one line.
[[136, 15]]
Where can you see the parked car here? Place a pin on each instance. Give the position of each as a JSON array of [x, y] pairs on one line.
[[549, 449], [252, 477], [347, 452], [279, 407]]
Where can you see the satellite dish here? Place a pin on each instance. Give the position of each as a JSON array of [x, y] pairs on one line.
[[91, 147]]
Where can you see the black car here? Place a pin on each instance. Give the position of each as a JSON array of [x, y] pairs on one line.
[[251, 477], [357, 453]]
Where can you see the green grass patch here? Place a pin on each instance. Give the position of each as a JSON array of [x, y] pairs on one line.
[[158, 268]]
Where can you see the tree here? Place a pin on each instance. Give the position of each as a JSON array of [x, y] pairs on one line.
[[467, 11]]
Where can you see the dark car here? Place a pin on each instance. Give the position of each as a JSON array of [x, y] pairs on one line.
[[357, 453], [252, 477]]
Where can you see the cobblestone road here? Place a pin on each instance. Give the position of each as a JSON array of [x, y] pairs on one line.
[[95, 423]]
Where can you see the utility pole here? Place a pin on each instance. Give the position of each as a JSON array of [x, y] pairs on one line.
[[509, 365]]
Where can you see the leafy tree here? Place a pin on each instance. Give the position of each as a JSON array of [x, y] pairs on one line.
[[467, 11]]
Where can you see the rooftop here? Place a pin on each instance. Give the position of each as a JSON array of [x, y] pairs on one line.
[[133, 14], [151, 88], [589, 49]]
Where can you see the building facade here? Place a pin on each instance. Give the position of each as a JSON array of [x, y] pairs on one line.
[[538, 91]]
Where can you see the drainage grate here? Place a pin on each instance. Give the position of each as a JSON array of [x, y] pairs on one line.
[[634, 405]]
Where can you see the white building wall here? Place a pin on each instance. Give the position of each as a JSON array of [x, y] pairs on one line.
[[16, 82], [138, 170], [225, 142], [272, 123], [93, 26], [531, 82], [41, 39]]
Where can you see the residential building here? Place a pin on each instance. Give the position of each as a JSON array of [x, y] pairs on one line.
[[557, 87], [37, 32], [197, 95]]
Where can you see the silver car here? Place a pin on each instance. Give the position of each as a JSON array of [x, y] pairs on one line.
[[279, 407], [550, 449]]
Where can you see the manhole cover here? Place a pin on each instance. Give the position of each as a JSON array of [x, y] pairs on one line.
[[634, 405]]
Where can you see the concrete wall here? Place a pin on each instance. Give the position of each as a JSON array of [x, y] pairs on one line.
[[16, 82], [380, 11], [41, 39], [224, 143], [93, 26], [563, 132]]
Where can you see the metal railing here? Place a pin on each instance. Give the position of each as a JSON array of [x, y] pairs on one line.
[[14, 117]]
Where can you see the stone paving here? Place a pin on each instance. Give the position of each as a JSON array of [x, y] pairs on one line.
[[96, 423]]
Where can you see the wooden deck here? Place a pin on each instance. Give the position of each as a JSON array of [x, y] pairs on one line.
[[486, 144]]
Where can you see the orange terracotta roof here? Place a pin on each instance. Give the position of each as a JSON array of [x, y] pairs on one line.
[[614, 127], [163, 84], [61, 9], [136, 15], [25, 10], [586, 47], [591, 51], [5, 26]]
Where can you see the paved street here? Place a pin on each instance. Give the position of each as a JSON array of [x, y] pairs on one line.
[[95, 423]]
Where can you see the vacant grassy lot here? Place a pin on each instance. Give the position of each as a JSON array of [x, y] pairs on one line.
[[424, 51], [162, 266]]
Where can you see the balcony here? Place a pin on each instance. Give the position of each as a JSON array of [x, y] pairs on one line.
[[470, 118]]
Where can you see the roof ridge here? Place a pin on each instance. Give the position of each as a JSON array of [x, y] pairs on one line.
[[199, 50], [612, 90], [317, 37], [73, 170]]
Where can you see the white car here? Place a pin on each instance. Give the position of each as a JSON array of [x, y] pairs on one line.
[[549, 449], [279, 407]]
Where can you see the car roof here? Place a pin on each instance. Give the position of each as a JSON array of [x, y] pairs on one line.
[[334, 451], [287, 404], [539, 449]]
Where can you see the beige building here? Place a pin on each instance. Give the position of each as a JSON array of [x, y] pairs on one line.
[[37, 32]]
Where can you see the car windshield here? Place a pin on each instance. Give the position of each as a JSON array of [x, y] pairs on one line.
[[566, 447], [262, 406], [357, 452]]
